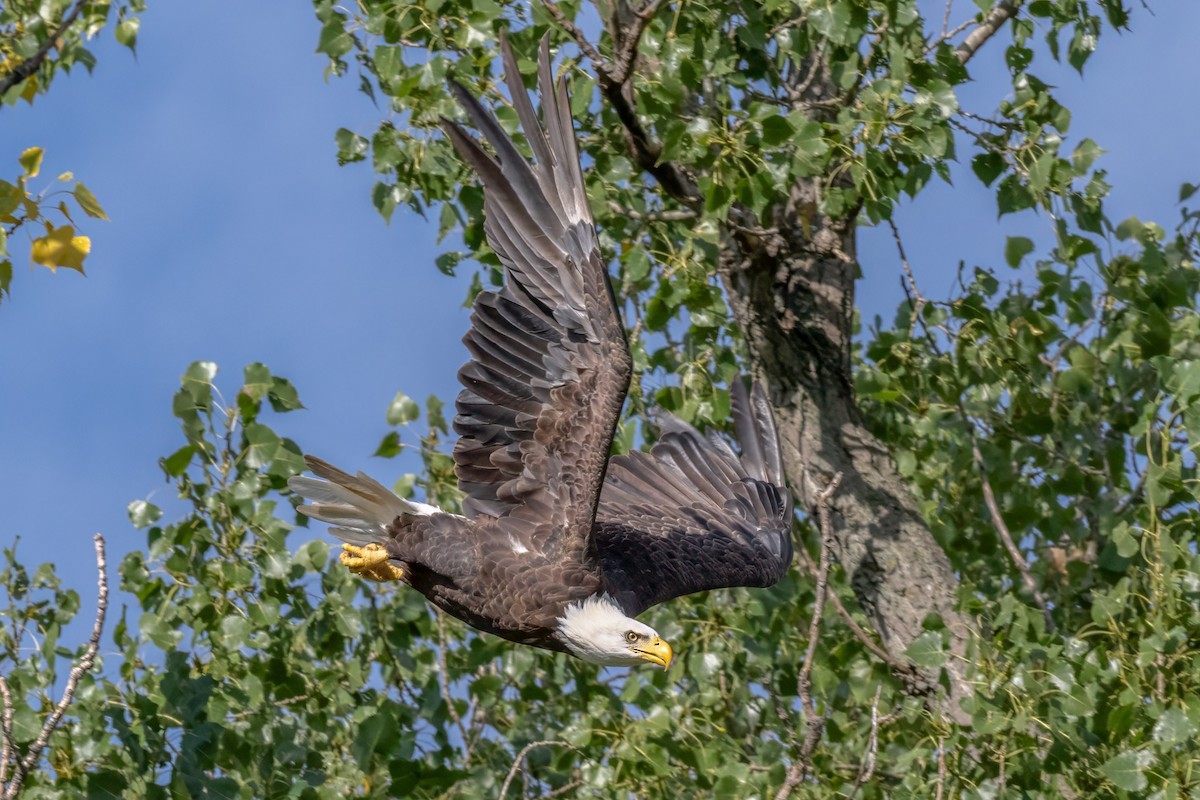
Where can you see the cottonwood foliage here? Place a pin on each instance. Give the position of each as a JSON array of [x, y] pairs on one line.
[[1061, 381]]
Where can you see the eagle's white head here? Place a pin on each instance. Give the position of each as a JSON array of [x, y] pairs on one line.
[[596, 630]]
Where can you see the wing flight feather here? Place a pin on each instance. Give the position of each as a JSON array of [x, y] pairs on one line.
[[550, 364]]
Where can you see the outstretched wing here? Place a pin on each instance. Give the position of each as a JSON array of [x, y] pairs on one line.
[[690, 515], [550, 364]]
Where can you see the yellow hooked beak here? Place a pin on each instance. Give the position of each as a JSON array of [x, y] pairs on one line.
[[656, 651]]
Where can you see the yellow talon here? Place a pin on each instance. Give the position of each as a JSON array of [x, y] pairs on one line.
[[370, 561]]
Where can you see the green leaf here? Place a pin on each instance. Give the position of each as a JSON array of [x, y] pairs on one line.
[[1126, 770], [987, 167], [87, 201], [402, 409], [351, 147], [334, 41], [1086, 153], [390, 446], [1016, 249], [776, 130], [177, 463], [1173, 727], [926, 650], [256, 381], [283, 395], [127, 32], [261, 445], [143, 514]]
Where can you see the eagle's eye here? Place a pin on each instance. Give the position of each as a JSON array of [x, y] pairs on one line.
[[631, 637]]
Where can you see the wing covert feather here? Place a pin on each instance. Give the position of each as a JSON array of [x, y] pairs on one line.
[[690, 515]]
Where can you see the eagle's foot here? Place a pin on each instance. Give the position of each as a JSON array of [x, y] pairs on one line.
[[370, 561]]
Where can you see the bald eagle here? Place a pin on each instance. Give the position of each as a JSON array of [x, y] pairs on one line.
[[560, 546]]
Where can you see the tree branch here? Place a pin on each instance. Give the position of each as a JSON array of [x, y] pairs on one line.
[[585, 46], [34, 62], [1022, 565], [815, 723], [22, 767], [516, 765], [7, 747], [627, 50], [1002, 13]]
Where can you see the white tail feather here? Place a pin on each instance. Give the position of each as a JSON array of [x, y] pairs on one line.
[[360, 507]]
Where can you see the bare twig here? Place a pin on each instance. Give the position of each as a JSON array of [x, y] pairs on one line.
[[917, 299], [868, 765], [1022, 565], [941, 777], [282, 703], [516, 765], [22, 767], [1001, 13], [34, 62], [815, 723]]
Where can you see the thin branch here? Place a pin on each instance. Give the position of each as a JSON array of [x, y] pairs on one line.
[[34, 62], [1022, 565], [666, 215], [516, 765], [815, 723], [868, 766], [585, 46], [82, 667], [1134, 494], [1002, 13], [283, 703]]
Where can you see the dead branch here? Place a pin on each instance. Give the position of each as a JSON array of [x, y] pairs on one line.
[[22, 767], [815, 723]]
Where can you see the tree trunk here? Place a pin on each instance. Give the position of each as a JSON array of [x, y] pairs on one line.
[[792, 293]]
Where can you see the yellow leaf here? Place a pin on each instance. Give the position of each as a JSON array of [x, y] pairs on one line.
[[31, 161], [60, 247], [66, 176], [31, 89]]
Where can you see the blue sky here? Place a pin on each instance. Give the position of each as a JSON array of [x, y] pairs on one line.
[[235, 237]]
